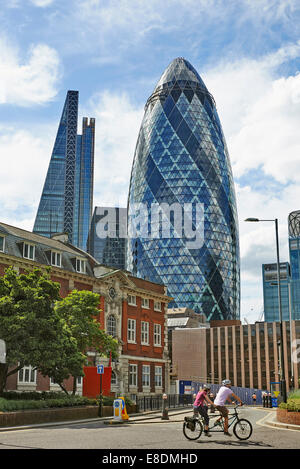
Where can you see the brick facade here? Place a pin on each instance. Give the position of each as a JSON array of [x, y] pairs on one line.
[[285, 416], [114, 288]]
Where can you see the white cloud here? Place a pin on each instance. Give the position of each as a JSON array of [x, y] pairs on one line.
[[258, 241], [33, 81], [42, 3], [117, 126], [122, 26], [260, 113], [24, 159]]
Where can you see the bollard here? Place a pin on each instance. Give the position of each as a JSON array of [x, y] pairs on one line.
[[270, 401], [165, 415]]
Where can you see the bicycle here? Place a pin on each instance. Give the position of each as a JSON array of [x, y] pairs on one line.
[[242, 428]]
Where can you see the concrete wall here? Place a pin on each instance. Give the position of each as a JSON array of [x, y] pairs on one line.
[[189, 353]]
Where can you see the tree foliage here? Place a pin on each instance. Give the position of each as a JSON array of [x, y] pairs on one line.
[[42, 330], [80, 310]]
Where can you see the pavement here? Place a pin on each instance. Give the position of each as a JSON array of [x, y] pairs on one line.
[[173, 415]]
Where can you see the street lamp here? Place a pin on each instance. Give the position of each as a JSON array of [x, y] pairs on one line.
[[282, 377]]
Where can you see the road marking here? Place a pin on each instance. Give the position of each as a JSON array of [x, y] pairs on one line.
[[260, 422]]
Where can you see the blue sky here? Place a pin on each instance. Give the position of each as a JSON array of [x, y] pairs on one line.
[[113, 52]]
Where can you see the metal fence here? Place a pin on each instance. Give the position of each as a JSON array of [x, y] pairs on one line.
[[145, 403], [245, 394], [156, 402]]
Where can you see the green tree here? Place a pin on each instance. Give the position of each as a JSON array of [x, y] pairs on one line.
[[80, 310], [49, 333], [31, 328]]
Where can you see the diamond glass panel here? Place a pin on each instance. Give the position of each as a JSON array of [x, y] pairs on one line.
[[181, 158]]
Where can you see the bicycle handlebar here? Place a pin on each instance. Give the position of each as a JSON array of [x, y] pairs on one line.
[[239, 405]]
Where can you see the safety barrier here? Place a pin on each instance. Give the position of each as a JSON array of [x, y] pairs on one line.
[[147, 403], [245, 394]]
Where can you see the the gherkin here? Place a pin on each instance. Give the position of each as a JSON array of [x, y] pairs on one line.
[[181, 158]]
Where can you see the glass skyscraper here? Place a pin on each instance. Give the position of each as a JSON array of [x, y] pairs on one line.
[[181, 158], [270, 291], [294, 248], [107, 242], [67, 198]]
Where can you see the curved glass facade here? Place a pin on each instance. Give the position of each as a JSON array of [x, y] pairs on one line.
[[294, 248], [181, 158]]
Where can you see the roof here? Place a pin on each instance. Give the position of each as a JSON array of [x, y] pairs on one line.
[[14, 238], [35, 238], [177, 322], [180, 69]]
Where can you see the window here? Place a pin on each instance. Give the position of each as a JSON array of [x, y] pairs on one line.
[[2, 243], [131, 331], [79, 380], [132, 300], [157, 334], [146, 375], [81, 266], [133, 375], [145, 303], [158, 377], [114, 380], [27, 375], [28, 251], [145, 333], [157, 306], [111, 325], [56, 258]]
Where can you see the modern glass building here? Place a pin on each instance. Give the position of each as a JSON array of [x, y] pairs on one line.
[[67, 198], [294, 249], [270, 291], [181, 158], [106, 241]]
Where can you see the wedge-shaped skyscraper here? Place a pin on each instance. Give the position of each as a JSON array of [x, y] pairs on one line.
[[67, 199], [181, 180]]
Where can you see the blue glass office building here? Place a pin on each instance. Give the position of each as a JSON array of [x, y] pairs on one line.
[[108, 249], [67, 198], [294, 249], [270, 291], [181, 158]]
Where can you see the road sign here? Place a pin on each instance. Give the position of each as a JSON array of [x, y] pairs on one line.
[[100, 371]]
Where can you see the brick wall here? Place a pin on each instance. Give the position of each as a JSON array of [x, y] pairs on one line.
[[64, 285], [285, 416], [148, 315], [189, 353], [146, 285]]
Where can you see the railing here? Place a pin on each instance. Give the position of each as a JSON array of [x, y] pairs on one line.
[[156, 402]]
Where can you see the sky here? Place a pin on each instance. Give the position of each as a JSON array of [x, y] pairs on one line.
[[114, 52]]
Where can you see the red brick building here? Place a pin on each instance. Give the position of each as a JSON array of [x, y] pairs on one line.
[[131, 309]]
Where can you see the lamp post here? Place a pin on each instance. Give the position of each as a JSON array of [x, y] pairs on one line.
[[291, 335], [282, 377]]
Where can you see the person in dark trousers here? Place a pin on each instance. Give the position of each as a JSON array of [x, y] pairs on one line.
[[212, 407], [200, 406], [254, 398]]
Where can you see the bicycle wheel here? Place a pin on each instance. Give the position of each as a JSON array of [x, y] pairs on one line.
[[242, 429], [192, 432]]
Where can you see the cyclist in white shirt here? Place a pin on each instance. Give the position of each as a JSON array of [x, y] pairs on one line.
[[224, 394]]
